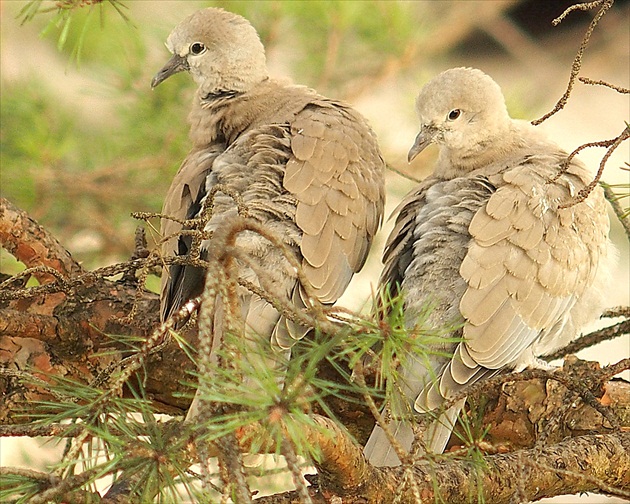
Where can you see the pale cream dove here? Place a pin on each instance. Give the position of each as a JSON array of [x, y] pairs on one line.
[[307, 168], [485, 241]]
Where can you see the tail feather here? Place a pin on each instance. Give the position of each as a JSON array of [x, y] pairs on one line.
[[378, 450], [439, 432], [380, 453]]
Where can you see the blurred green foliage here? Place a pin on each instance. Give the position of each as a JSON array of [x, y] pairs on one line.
[[67, 15], [81, 157], [81, 174], [339, 40]]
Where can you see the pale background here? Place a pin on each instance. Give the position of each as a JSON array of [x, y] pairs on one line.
[[531, 68]]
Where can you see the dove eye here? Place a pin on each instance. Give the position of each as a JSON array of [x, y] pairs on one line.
[[197, 48], [454, 114]]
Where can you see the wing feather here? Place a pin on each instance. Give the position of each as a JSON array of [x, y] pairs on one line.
[[545, 264], [340, 199]]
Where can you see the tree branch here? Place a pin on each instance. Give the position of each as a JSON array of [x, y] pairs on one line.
[[66, 333], [32, 245], [585, 464], [603, 5]]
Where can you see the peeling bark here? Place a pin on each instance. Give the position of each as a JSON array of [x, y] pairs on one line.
[[549, 433], [584, 464]]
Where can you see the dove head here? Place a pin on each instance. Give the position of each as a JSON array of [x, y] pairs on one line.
[[221, 50], [463, 111]]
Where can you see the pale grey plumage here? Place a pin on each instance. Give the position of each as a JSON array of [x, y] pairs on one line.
[[307, 168], [485, 241]]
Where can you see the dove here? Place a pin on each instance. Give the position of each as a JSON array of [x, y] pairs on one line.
[[497, 244], [304, 167]]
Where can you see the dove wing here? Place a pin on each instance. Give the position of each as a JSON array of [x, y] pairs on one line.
[[183, 201], [336, 176], [529, 262]]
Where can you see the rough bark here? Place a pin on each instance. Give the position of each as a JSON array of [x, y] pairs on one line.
[[585, 464], [549, 433]]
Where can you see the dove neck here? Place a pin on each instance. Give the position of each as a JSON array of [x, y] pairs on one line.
[[492, 148], [224, 116]]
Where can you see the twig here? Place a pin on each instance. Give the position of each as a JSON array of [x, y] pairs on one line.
[[40, 272], [611, 145], [577, 62], [26, 377], [592, 339], [403, 174], [592, 82], [231, 458], [611, 370], [288, 450], [29, 473], [74, 281], [66, 485], [140, 251], [580, 6], [401, 453], [56, 430]]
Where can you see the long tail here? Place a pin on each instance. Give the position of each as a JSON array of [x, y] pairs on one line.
[[380, 453]]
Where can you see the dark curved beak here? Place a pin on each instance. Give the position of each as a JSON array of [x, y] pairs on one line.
[[174, 65], [424, 138]]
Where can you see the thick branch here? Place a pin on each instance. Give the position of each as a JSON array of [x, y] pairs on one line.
[[63, 333], [27, 325], [32, 245], [525, 414], [584, 464]]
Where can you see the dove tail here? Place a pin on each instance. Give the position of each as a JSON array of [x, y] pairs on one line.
[[380, 453], [439, 432], [378, 450]]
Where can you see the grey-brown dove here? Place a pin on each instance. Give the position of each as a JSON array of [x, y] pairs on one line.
[[485, 241], [305, 167]]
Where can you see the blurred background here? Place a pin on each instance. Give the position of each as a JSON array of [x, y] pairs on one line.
[[85, 142]]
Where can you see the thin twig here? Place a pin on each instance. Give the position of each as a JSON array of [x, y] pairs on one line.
[[591, 339], [577, 62], [288, 450], [66, 485], [592, 82], [60, 279], [611, 370], [401, 453], [403, 174], [56, 430], [611, 145], [581, 6], [26, 377], [29, 473]]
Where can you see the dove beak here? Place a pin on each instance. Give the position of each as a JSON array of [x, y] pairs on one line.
[[424, 138], [176, 64]]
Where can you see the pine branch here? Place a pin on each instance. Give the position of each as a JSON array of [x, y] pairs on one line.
[[567, 406], [555, 470], [32, 245]]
